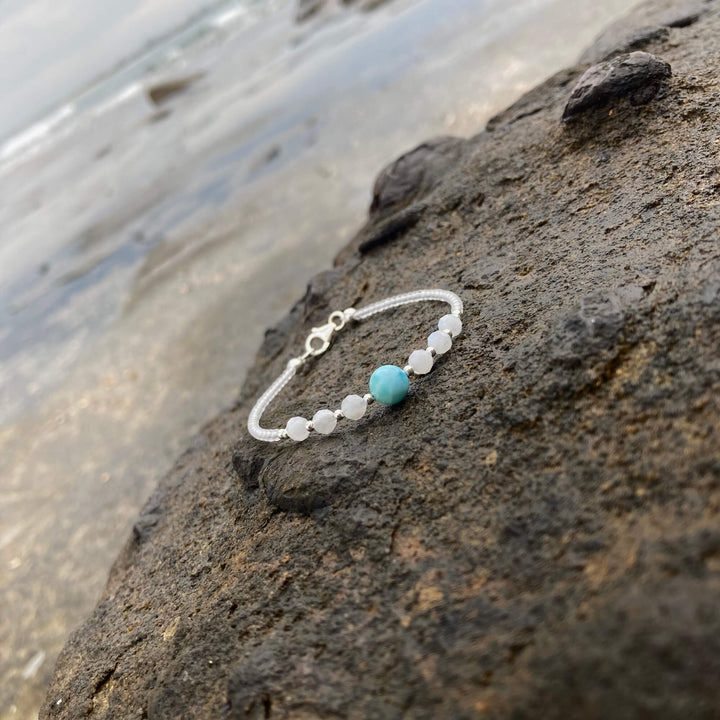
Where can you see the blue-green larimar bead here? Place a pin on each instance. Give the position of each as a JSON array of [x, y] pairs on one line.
[[389, 384]]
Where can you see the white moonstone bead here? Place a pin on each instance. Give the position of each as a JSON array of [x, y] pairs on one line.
[[440, 342], [296, 429], [353, 407], [324, 421], [421, 361], [451, 323]]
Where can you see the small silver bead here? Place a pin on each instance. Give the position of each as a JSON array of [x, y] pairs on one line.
[[368, 398], [432, 351], [283, 435], [408, 370], [339, 414], [295, 363], [310, 425], [447, 332]]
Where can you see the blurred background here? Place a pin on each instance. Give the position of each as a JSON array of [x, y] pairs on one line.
[[172, 173]]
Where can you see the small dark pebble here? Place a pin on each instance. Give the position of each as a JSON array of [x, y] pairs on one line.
[[636, 76]]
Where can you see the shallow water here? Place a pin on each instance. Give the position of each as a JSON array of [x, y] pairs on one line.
[[142, 256]]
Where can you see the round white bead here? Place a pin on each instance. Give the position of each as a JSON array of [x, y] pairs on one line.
[[440, 342], [451, 323], [353, 407], [324, 421], [421, 362], [296, 429]]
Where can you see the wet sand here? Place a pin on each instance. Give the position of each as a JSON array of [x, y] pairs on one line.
[[163, 245]]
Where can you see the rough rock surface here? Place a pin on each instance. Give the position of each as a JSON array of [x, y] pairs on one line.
[[636, 76], [414, 175], [640, 28], [535, 531]]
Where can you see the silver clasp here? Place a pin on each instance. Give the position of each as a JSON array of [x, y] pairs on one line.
[[318, 341]]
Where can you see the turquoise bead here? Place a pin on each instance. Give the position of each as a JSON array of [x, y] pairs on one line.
[[389, 384]]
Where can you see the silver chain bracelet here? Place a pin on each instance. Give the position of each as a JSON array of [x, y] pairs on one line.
[[389, 384]]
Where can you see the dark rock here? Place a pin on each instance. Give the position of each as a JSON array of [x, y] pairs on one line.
[[162, 91], [646, 25], [533, 532], [290, 486], [145, 523], [672, 633], [636, 77], [400, 190], [248, 469], [594, 328], [308, 8], [538, 99], [414, 174], [626, 41], [674, 14], [685, 18], [384, 232]]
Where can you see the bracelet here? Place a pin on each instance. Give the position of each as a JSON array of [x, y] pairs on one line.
[[389, 384]]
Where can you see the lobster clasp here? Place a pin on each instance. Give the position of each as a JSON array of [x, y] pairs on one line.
[[318, 341]]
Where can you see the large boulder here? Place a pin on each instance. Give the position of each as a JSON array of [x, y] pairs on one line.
[[535, 531]]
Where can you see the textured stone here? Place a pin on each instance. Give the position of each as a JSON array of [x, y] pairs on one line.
[[400, 190], [550, 549], [636, 77], [648, 24], [414, 174]]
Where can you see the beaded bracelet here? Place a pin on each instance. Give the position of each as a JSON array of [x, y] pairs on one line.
[[389, 384]]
